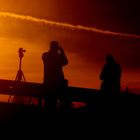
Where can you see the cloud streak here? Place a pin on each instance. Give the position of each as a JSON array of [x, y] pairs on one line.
[[66, 25]]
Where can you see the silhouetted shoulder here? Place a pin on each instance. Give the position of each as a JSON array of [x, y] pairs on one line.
[[44, 55], [103, 72]]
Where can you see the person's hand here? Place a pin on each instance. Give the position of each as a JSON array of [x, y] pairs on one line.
[[61, 49]]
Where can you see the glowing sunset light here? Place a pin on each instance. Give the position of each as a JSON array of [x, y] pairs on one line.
[[87, 30]]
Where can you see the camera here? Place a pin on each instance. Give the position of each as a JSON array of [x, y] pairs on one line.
[[60, 49], [20, 51]]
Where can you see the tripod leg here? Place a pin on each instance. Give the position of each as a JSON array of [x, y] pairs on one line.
[[16, 79], [23, 77], [9, 99]]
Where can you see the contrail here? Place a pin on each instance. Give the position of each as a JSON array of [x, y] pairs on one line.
[[65, 25]]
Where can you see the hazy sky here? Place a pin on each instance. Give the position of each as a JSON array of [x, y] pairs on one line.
[[86, 50]]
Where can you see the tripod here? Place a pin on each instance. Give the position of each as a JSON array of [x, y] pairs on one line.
[[20, 75]]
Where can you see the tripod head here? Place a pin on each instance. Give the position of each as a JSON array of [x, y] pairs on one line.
[[21, 51]]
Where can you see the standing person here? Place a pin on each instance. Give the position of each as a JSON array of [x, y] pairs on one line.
[[53, 61], [111, 76]]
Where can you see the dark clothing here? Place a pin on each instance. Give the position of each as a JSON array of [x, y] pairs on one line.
[[53, 72], [111, 76], [53, 61]]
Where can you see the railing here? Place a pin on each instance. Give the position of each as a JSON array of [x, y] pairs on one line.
[[39, 91]]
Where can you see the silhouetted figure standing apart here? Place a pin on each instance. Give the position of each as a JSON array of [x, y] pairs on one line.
[[111, 76], [53, 61]]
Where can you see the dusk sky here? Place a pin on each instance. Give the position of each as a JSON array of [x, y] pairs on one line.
[[107, 26]]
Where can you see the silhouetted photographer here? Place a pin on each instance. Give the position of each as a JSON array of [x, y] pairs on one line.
[[54, 60]]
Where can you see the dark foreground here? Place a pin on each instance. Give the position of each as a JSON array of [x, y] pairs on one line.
[[101, 107]]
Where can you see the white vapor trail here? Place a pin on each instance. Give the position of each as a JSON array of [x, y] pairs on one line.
[[65, 25]]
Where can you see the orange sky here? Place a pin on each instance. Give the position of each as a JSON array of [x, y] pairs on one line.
[[85, 50]]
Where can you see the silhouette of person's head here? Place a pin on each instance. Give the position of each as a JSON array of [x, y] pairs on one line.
[[110, 59], [54, 46]]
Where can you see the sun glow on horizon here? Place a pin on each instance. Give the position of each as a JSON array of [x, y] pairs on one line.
[[9, 61], [79, 72], [33, 67]]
